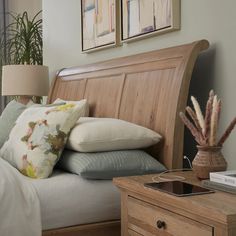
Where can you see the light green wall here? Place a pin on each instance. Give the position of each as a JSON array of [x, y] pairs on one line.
[[210, 19]]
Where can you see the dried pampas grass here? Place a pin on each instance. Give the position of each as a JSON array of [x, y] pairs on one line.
[[214, 123], [227, 132], [198, 113], [204, 129]]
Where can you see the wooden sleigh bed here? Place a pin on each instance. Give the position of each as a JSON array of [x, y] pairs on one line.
[[149, 89]]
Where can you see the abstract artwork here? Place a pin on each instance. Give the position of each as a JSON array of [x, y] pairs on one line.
[[143, 17], [98, 23]]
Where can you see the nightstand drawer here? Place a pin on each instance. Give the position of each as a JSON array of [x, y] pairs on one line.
[[133, 233], [147, 219]]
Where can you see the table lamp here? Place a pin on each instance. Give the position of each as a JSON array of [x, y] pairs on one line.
[[25, 81]]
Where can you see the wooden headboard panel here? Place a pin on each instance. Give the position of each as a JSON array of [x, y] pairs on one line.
[[148, 89]]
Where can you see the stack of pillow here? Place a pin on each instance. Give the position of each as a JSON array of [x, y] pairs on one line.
[[96, 148]]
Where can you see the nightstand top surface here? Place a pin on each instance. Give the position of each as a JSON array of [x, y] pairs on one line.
[[220, 204]]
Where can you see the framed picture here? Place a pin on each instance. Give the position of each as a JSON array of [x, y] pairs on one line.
[[98, 24], [143, 18]]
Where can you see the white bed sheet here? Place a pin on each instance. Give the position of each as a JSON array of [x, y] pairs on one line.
[[67, 199], [19, 204]]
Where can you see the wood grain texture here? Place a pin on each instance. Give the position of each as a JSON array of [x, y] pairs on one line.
[[214, 212], [133, 233], [96, 229], [124, 213], [109, 89], [145, 216], [149, 89]]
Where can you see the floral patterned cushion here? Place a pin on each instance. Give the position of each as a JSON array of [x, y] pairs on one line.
[[39, 136], [9, 117]]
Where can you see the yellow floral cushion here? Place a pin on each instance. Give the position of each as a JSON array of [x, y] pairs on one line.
[[39, 136]]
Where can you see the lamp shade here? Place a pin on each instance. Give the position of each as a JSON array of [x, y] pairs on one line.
[[30, 80]]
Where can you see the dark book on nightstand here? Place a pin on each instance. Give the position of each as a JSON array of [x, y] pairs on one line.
[[218, 186]]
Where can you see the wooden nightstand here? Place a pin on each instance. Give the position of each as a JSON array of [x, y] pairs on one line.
[[149, 212]]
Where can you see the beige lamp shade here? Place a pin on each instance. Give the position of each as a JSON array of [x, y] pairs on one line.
[[29, 80]]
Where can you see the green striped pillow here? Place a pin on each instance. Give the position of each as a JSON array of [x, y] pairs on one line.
[[106, 165]]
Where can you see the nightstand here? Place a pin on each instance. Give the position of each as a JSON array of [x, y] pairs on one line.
[[149, 212]]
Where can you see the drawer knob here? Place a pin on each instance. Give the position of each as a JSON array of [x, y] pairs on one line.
[[161, 224]]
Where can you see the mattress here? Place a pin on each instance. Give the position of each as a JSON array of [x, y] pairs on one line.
[[67, 199]]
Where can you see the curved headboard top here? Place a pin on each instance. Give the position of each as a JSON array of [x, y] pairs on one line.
[[149, 89]]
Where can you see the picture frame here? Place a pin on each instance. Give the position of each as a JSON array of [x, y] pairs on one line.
[[99, 24], [139, 20]]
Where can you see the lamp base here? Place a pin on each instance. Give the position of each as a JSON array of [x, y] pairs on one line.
[[24, 99]]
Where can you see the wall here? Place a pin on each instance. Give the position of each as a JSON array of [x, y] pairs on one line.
[[19, 6], [212, 19]]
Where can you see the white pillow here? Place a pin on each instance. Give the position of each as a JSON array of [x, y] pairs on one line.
[[106, 134], [38, 138]]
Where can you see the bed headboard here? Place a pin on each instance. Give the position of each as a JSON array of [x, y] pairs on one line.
[[149, 89]]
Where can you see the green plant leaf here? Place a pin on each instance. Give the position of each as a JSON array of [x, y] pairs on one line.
[[24, 40]]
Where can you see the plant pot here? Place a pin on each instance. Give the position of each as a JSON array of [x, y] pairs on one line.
[[208, 159]]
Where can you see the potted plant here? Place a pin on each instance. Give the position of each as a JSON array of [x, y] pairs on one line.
[[23, 42], [204, 129]]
